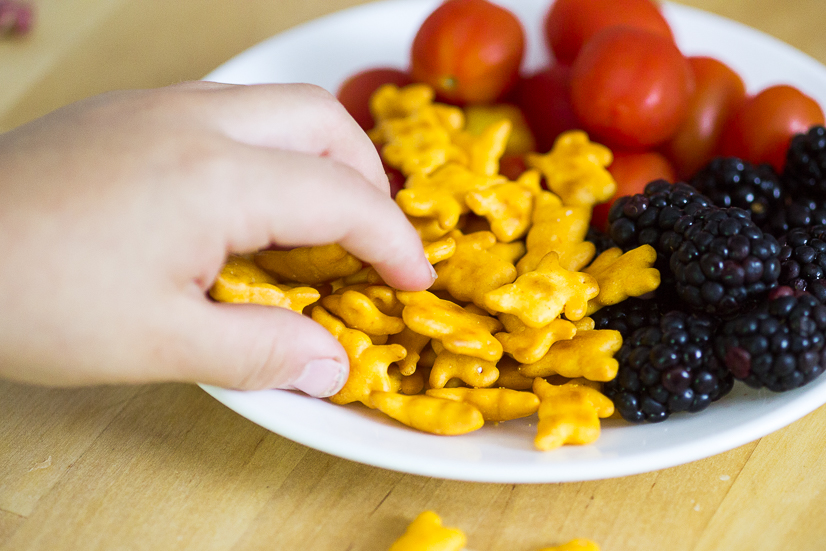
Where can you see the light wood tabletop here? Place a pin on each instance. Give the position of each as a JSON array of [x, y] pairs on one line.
[[168, 467]]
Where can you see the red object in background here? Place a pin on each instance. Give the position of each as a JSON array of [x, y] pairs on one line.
[[396, 179], [718, 93], [394, 175], [469, 51], [632, 172], [569, 24], [630, 88], [545, 100], [354, 93], [760, 131], [512, 166], [16, 18]]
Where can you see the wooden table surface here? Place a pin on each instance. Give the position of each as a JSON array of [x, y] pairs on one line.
[[168, 467]]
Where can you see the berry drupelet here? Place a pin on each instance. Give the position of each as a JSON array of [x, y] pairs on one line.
[[732, 182], [803, 260], [668, 367], [778, 345], [724, 260], [805, 169]]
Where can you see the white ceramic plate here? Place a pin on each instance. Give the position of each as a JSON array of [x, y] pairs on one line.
[[325, 52]]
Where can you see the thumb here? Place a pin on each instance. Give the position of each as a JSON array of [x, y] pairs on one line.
[[252, 347]]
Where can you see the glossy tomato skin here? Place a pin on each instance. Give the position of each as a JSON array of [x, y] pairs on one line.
[[545, 99], [632, 172], [354, 93], [763, 126], [630, 88], [718, 93], [569, 24], [469, 51]]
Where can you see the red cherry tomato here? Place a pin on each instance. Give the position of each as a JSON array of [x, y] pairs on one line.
[[718, 93], [630, 88], [545, 99], [632, 171], [761, 129], [469, 51], [569, 24], [354, 93]]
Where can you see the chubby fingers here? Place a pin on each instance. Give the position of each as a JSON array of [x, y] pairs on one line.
[[294, 199], [294, 117], [251, 347]]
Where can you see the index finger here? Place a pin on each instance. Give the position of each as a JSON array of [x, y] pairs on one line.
[[295, 117]]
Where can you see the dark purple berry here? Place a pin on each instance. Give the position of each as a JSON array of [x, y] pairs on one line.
[[724, 261], [668, 366], [805, 170], [778, 345], [732, 182]]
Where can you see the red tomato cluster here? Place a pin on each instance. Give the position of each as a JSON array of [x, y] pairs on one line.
[[617, 74]]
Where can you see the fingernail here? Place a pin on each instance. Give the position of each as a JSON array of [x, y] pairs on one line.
[[433, 272], [321, 378]]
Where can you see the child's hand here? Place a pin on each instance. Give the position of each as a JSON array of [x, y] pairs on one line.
[[116, 214]]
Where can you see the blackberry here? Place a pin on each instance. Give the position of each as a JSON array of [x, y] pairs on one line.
[[600, 240], [732, 182], [803, 260], [649, 217], [724, 260], [797, 213], [778, 345], [805, 168], [667, 367], [628, 316]]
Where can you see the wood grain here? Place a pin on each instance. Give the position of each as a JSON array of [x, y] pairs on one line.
[[81, 48], [167, 467], [58, 426], [9, 523]]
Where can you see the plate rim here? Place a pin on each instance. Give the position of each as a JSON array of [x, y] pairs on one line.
[[688, 451]]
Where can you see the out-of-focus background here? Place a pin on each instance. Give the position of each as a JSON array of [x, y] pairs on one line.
[[78, 48]]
